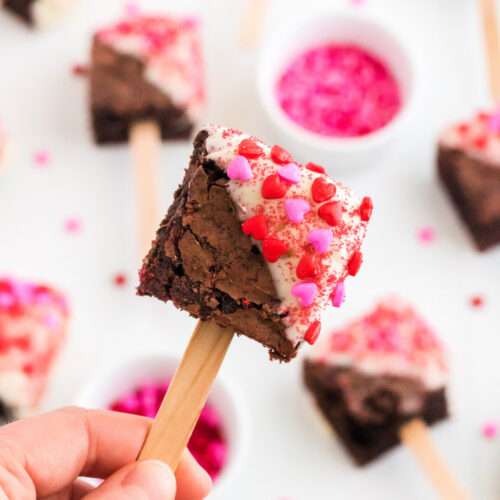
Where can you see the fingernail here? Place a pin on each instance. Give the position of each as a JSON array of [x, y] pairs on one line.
[[153, 478]]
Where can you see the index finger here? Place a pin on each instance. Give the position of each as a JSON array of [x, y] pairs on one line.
[[54, 449]]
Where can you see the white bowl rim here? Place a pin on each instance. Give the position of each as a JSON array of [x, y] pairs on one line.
[[233, 467], [336, 144]]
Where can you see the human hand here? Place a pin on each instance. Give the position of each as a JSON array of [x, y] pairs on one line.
[[42, 458]]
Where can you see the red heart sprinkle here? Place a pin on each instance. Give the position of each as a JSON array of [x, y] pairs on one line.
[[273, 249], [250, 149], [315, 168], [306, 268], [280, 156], [355, 263], [256, 227], [480, 142], [331, 213], [313, 332], [322, 190], [273, 188], [366, 209]]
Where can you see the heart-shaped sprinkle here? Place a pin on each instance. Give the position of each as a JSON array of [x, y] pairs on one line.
[[239, 169], [320, 239], [315, 168], [322, 190], [331, 213], [307, 267], [280, 156], [313, 332], [273, 249], [296, 209], [355, 263], [290, 173], [250, 149], [256, 227], [366, 209], [338, 294], [305, 293], [273, 188]]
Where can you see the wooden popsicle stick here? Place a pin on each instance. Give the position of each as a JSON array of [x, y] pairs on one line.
[[492, 42], [415, 435], [253, 23], [145, 140], [187, 394]]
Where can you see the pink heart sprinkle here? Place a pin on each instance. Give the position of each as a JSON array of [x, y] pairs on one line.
[[320, 239], [290, 173], [73, 225], [305, 292], [296, 209], [239, 169], [489, 430], [41, 158], [338, 294]]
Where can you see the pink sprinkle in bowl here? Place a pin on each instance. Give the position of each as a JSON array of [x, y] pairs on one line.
[[345, 28], [110, 384]]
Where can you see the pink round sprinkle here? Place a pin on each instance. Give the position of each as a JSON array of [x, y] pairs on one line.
[[426, 235], [320, 239], [305, 293], [290, 173], [338, 294], [41, 158], [339, 90], [73, 225], [239, 169], [296, 209], [489, 430]]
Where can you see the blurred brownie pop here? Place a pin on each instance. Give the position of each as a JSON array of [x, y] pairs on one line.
[[382, 379], [39, 13], [254, 244], [33, 324], [469, 152], [146, 84]]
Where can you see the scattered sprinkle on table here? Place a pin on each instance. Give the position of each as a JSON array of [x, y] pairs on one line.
[[132, 9], [426, 235], [120, 279], [80, 70], [477, 301], [489, 430], [73, 225], [42, 158]]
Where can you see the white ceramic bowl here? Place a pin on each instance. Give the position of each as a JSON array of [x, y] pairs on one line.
[[317, 29], [106, 387]]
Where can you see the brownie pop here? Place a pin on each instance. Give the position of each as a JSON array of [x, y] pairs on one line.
[[469, 168], [376, 374], [146, 68], [256, 242], [39, 13], [33, 324]]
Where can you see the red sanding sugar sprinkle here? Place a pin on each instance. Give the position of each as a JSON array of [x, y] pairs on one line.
[[207, 444], [339, 90]]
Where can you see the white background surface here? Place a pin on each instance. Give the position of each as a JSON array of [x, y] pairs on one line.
[[44, 106]]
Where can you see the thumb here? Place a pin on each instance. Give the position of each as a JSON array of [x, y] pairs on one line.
[[147, 480]]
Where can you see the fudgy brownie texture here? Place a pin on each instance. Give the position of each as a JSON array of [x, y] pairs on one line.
[[474, 187], [366, 441], [20, 7], [205, 264], [121, 96], [6, 413]]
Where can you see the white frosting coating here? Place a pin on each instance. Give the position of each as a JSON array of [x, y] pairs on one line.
[[222, 146], [170, 48], [45, 13], [393, 340], [33, 322], [478, 137]]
